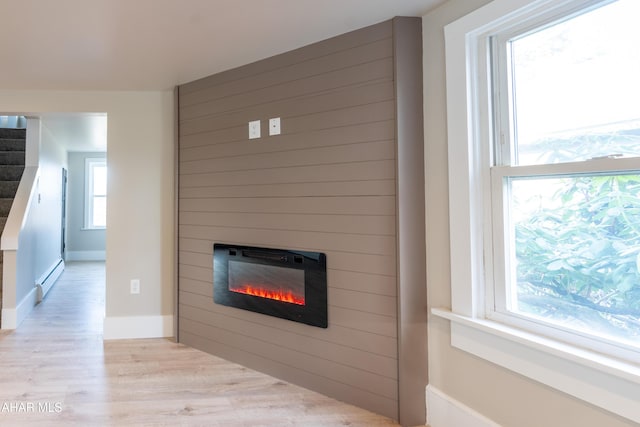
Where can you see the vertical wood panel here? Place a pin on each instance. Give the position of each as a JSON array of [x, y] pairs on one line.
[[327, 183], [412, 301]]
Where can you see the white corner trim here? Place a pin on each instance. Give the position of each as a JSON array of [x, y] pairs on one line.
[[85, 255], [444, 411], [138, 327], [8, 318], [49, 278], [13, 317]]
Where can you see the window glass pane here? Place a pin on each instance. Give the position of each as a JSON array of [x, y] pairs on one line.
[[99, 179], [576, 88], [99, 211], [575, 244]]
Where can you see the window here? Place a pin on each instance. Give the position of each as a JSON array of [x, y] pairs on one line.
[[544, 186], [565, 178], [96, 193]]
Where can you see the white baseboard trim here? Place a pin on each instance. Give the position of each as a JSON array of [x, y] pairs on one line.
[[444, 411], [85, 255], [48, 279], [116, 328], [13, 317]]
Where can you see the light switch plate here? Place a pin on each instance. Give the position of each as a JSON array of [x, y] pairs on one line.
[[254, 129], [135, 286], [274, 126]]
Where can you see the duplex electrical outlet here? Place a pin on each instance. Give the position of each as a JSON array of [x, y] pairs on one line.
[[274, 126], [135, 286]]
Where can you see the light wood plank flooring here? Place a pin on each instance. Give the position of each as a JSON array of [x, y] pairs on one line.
[[55, 369]]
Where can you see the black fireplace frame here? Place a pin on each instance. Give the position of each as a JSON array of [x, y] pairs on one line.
[[314, 265]]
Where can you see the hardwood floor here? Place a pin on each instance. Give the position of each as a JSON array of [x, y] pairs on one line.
[[55, 369]]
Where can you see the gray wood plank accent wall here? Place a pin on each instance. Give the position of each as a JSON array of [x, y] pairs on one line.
[[327, 184]]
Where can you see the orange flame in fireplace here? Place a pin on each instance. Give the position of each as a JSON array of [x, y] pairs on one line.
[[280, 295]]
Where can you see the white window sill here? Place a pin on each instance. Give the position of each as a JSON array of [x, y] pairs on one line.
[[93, 228], [602, 381]]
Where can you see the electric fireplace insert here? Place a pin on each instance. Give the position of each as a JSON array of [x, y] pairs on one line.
[[278, 282]]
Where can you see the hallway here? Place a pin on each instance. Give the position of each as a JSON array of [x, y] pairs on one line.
[[55, 369]]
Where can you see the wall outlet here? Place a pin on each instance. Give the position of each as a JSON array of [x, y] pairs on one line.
[[254, 129], [274, 126], [135, 286]]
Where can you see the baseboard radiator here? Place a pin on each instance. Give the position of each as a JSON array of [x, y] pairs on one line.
[[48, 279]]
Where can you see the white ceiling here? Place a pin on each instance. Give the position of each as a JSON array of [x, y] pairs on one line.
[[158, 44]]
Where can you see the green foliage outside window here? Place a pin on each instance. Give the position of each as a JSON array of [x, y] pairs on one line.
[[577, 252]]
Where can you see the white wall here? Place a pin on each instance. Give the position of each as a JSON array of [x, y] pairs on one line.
[[26, 267], [501, 395], [140, 237], [53, 158], [39, 241]]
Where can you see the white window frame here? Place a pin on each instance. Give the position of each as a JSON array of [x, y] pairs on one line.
[[89, 165], [607, 382]]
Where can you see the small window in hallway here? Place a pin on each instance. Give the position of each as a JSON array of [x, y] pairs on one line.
[[96, 193]]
